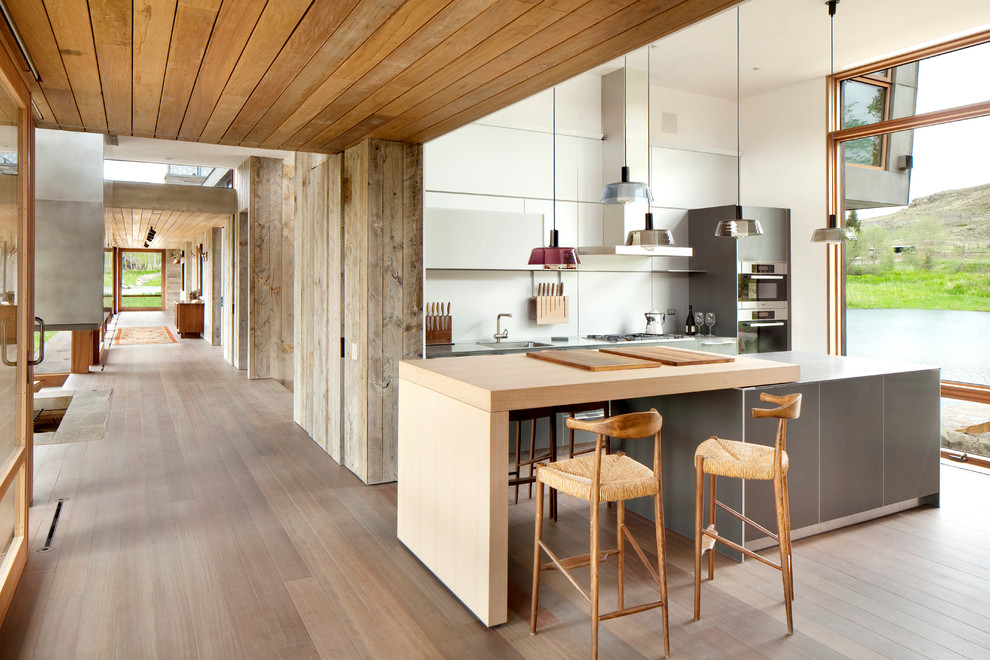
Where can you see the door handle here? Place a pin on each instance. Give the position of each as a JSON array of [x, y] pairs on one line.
[[41, 348], [3, 344]]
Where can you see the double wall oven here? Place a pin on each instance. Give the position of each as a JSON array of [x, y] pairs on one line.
[[762, 307]]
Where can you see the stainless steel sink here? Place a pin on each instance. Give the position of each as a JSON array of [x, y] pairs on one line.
[[505, 345]]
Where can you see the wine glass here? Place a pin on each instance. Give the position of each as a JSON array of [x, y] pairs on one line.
[[699, 321], [710, 321]]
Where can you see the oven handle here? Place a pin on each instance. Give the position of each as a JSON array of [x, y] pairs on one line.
[[758, 324], [763, 277]]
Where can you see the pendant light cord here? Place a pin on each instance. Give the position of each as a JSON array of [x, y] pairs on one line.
[[625, 128], [649, 151], [738, 118], [554, 125]]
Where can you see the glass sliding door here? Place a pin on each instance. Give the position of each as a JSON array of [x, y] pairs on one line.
[[16, 327], [142, 280]]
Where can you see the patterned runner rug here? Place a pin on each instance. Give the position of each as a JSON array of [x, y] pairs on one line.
[[149, 335]]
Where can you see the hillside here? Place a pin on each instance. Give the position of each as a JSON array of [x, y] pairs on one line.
[[964, 214]]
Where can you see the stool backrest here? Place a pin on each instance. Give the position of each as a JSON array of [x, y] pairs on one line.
[[628, 427], [788, 407]]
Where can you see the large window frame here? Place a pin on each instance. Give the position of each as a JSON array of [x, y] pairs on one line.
[[835, 266]]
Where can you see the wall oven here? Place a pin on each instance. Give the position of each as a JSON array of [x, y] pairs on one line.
[[762, 282], [763, 330]]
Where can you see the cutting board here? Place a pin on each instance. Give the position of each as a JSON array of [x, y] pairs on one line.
[[592, 360], [677, 357]]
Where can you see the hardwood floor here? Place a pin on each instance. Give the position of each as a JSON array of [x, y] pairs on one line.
[[207, 524]]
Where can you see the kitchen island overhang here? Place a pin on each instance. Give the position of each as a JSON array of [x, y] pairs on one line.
[[453, 450]]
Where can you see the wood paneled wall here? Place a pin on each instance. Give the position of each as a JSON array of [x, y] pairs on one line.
[[270, 217], [215, 278], [317, 293], [382, 188]]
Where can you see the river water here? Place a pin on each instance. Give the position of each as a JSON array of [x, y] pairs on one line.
[[958, 342]]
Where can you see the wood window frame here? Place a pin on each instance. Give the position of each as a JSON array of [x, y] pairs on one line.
[[16, 470], [886, 82], [835, 262]]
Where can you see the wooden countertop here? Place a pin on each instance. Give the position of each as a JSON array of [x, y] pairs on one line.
[[515, 381]]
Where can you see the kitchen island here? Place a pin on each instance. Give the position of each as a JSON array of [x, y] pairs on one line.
[[453, 450]]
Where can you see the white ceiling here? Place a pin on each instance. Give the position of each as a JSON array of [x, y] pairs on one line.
[[783, 42]]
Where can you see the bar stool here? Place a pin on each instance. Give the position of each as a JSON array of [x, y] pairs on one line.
[[516, 478], [576, 408], [718, 457], [606, 478]]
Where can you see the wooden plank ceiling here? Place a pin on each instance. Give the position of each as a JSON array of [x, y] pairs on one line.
[[128, 227], [317, 75]]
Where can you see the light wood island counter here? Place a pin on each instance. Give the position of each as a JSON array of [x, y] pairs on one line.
[[453, 450]]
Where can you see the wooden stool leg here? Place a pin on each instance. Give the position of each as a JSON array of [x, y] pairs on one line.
[[594, 579], [662, 568], [532, 452], [782, 533], [570, 445], [699, 494], [537, 537], [518, 431], [711, 523], [620, 545], [790, 555], [553, 459]]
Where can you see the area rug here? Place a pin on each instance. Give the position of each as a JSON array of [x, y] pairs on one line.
[[149, 335]]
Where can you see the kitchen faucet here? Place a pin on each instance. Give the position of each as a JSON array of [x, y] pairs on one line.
[[501, 334]]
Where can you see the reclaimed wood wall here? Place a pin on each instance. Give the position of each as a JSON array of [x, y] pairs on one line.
[[270, 270], [215, 278], [317, 294], [382, 189]]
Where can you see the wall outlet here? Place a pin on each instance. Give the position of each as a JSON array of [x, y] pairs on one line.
[[671, 312]]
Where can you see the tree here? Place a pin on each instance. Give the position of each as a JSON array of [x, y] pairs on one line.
[[852, 221], [877, 248], [928, 237]]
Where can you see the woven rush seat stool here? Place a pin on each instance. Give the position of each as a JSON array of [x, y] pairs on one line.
[[516, 476], [597, 478], [718, 457]]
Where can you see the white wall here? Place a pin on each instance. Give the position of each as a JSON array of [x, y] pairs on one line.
[[503, 164], [783, 164]]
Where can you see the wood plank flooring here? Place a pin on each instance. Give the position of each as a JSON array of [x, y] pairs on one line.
[[206, 524]]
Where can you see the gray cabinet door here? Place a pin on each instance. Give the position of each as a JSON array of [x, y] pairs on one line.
[[851, 446], [910, 435]]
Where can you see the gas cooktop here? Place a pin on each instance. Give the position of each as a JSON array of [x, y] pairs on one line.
[[636, 336]]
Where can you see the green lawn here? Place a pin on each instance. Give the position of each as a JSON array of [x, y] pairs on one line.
[[141, 301], [953, 285]]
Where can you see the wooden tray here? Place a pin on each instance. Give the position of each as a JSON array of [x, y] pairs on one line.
[[592, 360], [677, 357]]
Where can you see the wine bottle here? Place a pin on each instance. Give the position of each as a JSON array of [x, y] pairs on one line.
[[690, 329]]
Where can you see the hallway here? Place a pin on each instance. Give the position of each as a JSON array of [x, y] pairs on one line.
[[206, 524]]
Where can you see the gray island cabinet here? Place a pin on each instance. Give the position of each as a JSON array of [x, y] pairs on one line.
[[866, 445]]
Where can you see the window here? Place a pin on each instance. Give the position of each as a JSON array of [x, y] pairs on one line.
[[866, 100]]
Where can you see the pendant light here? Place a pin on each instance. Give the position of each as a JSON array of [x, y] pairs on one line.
[[554, 256], [832, 233], [738, 227], [649, 237], [625, 191]]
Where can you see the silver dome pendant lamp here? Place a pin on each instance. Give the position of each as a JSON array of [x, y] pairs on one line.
[[625, 191], [832, 233], [738, 227], [649, 237]]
